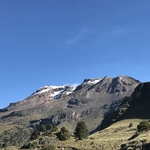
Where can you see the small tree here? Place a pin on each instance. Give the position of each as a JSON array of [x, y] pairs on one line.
[[130, 125], [143, 126], [63, 134], [49, 127], [35, 135], [54, 129], [81, 130], [43, 128]]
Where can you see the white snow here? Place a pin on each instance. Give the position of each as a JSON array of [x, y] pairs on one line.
[[56, 87], [55, 91], [44, 91], [68, 92], [93, 81], [56, 94], [120, 78]]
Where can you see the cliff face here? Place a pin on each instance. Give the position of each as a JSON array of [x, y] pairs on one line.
[[135, 106]]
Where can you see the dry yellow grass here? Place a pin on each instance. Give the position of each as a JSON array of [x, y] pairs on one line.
[[5, 127], [110, 138], [10, 148]]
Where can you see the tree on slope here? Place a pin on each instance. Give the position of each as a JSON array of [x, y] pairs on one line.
[[81, 130], [63, 134], [143, 126]]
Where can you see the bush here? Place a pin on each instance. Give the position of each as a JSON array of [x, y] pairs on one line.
[[35, 135], [43, 128], [16, 136], [143, 126], [63, 134], [130, 125], [29, 146], [4, 145], [81, 130], [54, 129], [49, 127]]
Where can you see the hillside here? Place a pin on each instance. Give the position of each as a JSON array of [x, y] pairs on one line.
[[115, 137], [111, 138], [135, 106]]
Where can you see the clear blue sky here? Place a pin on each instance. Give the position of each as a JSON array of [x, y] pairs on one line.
[[57, 42]]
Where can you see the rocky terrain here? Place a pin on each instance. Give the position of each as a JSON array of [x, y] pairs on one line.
[[91, 101], [135, 106]]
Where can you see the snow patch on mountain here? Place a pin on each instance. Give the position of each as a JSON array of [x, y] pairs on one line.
[[91, 81], [55, 91], [43, 91], [56, 94]]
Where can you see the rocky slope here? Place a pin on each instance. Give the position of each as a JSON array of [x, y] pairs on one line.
[[135, 106], [64, 105]]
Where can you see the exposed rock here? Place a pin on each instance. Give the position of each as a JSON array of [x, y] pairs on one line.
[[78, 102], [136, 106]]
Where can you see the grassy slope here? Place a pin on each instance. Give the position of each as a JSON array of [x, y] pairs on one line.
[[110, 138], [10, 148], [5, 126]]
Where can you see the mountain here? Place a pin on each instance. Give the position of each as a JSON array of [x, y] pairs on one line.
[[91, 101], [135, 106]]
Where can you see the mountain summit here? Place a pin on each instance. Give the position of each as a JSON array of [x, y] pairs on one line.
[[65, 105]]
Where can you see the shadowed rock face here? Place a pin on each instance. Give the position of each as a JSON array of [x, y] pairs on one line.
[[91, 101], [135, 106]]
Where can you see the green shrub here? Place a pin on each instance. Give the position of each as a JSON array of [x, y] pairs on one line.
[[16, 136], [29, 146], [63, 134], [49, 127], [35, 135], [92, 143], [54, 129], [143, 126], [4, 145], [81, 130], [43, 128], [130, 125]]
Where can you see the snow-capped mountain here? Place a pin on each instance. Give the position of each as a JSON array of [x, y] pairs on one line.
[[65, 105], [57, 91]]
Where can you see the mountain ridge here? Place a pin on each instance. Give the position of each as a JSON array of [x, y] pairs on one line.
[[52, 104]]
